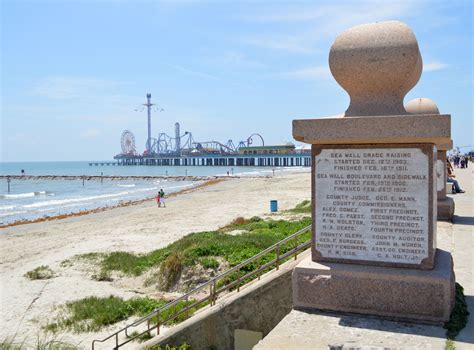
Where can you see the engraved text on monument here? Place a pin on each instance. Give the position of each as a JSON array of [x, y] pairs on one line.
[[372, 204]]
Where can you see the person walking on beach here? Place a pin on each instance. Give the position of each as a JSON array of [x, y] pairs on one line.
[[162, 198], [158, 199]]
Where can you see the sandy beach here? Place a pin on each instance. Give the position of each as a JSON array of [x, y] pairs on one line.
[[27, 305]]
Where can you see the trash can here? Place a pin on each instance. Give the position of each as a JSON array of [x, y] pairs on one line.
[[273, 206]]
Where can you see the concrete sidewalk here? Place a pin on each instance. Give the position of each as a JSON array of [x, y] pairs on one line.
[[462, 249], [301, 330]]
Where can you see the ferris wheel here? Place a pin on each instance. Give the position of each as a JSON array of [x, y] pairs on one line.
[[127, 141]]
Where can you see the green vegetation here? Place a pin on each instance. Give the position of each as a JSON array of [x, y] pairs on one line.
[[93, 313], [141, 338], [40, 344], [102, 276], [209, 263], [195, 247], [184, 346], [449, 345], [170, 270], [459, 316], [42, 272], [207, 249], [302, 208]]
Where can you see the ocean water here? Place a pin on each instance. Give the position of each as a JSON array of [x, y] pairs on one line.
[[33, 199]]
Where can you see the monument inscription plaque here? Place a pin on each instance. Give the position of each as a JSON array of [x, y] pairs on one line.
[[374, 188], [372, 204]]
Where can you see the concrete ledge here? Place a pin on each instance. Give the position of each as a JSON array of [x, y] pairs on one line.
[[323, 330], [445, 208], [398, 293], [434, 128]]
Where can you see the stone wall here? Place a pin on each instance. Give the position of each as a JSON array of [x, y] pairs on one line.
[[258, 307]]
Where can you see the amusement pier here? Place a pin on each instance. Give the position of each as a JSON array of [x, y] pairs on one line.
[[182, 150]]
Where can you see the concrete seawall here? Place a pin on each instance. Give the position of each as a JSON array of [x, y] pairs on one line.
[[258, 307]]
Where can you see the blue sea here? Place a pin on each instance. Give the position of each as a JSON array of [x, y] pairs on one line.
[[34, 199]]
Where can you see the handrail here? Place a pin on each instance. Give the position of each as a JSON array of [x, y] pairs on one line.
[[214, 290]]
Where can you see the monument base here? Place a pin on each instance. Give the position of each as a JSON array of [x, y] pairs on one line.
[[398, 293], [445, 208]]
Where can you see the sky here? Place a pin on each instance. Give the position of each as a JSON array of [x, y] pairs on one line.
[[74, 73]]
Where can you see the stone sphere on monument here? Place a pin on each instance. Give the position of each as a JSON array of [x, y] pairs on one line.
[[421, 105], [377, 64]]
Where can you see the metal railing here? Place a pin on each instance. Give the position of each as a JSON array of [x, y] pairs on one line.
[[211, 290]]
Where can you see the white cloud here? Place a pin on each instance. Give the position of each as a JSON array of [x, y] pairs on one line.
[[71, 87], [237, 58], [309, 73], [351, 11], [301, 15], [325, 21], [90, 134], [433, 66], [288, 43], [192, 72]]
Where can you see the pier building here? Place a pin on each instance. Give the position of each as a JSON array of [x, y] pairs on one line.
[[257, 160], [276, 149], [181, 149]]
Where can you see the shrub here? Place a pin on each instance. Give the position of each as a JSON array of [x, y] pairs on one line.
[[102, 276], [40, 273], [170, 271], [459, 316], [209, 263], [255, 219], [238, 221]]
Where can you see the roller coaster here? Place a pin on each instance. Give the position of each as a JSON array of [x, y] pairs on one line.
[[184, 145]]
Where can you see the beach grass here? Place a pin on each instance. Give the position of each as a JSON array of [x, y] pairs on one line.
[[204, 247], [40, 343], [42, 272], [141, 338], [209, 263], [184, 346], [93, 313], [302, 208], [209, 249]]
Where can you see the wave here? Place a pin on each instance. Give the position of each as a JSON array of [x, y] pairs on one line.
[[13, 213], [87, 198], [180, 186], [26, 195], [132, 185], [7, 207]]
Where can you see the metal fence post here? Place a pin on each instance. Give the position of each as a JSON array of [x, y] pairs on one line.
[[277, 257], [238, 280], [158, 322], [215, 291], [211, 294], [296, 247]]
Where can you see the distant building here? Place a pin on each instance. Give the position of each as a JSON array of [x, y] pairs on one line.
[[276, 149], [303, 148]]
